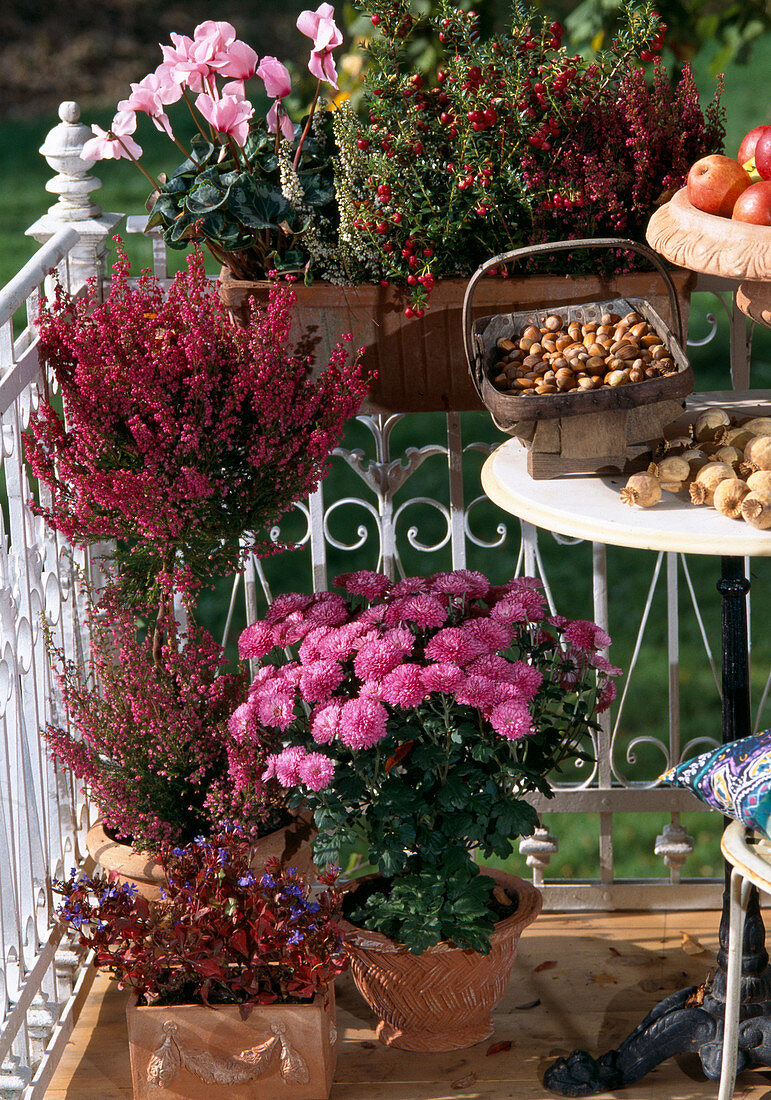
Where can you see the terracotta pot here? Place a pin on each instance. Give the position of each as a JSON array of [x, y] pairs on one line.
[[443, 998], [292, 845], [279, 1052], [421, 363]]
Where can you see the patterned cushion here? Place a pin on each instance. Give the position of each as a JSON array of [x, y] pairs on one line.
[[733, 778]]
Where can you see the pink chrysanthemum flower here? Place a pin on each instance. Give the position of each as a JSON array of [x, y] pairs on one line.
[[602, 664], [274, 709], [533, 602], [363, 722], [287, 766], [479, 692], [493, 635], [282, 606], [454, 644], [401, 637], [319, 679], [526, 679], [293, 629], [408, 586], [443, 676], [366, 583], [325, 723], [476, 585], [606, 696], [316, 771], [256, 641], [586, 635], [311, 647], [259, 685], [341, 642], [376, 658], [404, 686], [423, 610], [373, 615], [512, 720], [371, 689], [448, 584], [328, 609], [510, 610]]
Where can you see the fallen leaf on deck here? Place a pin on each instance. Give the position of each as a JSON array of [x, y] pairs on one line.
[[530, 1004], [367, 1045], [603, 979], [545, 965], [696, 998], [614, 951], [498, 1048], [464, 1082], [691, 945]]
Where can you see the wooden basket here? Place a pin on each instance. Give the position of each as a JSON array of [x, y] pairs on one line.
[[589, 430]]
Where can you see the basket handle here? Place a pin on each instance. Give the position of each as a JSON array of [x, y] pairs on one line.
[[567, 246]]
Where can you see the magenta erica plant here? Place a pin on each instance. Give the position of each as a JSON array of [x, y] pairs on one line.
[[180, 431], [414, 718], [148, 733]]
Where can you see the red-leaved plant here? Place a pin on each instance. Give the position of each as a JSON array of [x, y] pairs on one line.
[[221, 934], [182, 434]]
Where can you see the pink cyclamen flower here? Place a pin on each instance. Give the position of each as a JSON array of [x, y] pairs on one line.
[[275, 77], [238, 61], [278, 118], [227, 115], [115, 143], [320, 26], [316, 771], [512, 720], [186, 62], [149, 96], [214, 37], [363, 722]]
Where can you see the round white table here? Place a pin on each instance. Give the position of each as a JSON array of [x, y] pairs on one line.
[[589, 507]]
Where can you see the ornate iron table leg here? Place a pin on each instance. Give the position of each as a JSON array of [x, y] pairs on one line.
[[692, 1019]]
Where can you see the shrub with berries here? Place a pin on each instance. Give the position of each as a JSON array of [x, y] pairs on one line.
[[222, 933], [414, 719], [516, 141]]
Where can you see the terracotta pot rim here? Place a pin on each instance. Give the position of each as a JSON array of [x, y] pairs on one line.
[[319, 1000], [530, 904]]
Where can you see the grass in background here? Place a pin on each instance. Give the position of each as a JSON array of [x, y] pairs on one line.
[[22, 185]]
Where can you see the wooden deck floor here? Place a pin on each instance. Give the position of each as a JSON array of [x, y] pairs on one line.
[[604, 972]]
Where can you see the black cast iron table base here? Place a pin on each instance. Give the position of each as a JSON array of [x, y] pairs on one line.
[[691, 1020]]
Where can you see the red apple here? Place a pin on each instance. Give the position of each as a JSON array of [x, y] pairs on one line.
[[763, 154], [714, 184], [749, 141], [754, 204]]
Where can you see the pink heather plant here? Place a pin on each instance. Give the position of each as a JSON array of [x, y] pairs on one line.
[[181, 432], [416, 717], [155, 738]]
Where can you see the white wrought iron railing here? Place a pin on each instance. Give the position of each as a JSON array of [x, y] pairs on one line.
[[387, 504]]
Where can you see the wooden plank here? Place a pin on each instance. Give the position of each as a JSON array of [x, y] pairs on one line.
[[610, 969]]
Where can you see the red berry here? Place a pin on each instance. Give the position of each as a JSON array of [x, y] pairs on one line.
[[419, 312], [381, 227], [428, 252], [375, 20], [646, 55], [384, 282], [409, 312], [396, 218], [413, 261], [363, 144], [412, 279]]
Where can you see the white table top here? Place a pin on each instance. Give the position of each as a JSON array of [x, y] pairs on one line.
[[589, 507]]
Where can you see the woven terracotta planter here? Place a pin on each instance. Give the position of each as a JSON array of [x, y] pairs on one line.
[[279, 1052], [442, 999], [421, 364], [292, 845]]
